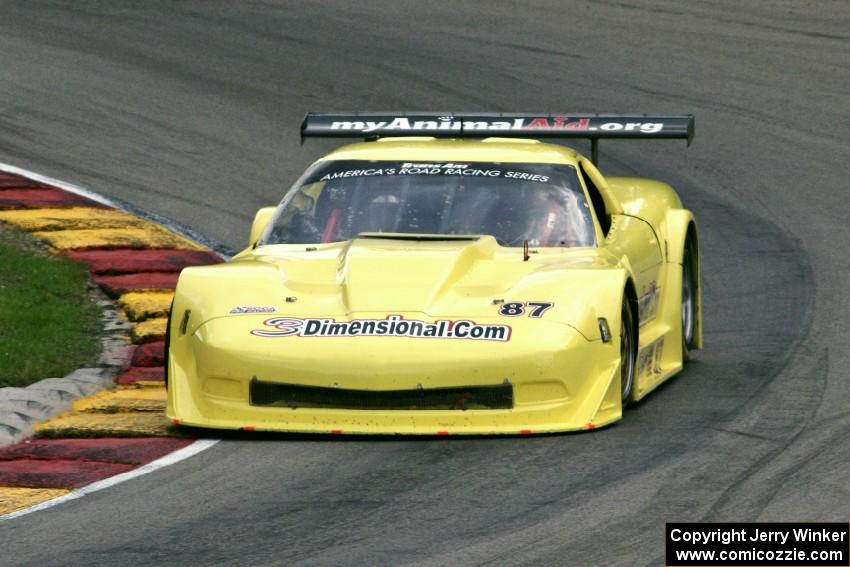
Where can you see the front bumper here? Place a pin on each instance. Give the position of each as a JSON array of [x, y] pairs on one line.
[[558, 381]]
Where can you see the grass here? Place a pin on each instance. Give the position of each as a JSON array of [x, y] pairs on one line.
[[49, 325]]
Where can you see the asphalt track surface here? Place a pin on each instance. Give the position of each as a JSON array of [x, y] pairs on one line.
[[191, 110]]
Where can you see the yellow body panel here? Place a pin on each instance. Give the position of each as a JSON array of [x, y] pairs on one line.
[[561, 374]]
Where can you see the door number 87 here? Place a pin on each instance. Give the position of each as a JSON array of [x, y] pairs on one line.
[[536, 309]]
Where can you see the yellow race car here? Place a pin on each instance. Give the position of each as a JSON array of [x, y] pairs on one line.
[[449, 275]]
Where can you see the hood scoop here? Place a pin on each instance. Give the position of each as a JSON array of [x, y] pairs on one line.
[[425, 273]]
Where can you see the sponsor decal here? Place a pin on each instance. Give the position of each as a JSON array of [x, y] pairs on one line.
[[392, 326], [648, 303], [445, 169], [252, 309], [529, 124], [482, 125], [534, 309], [649, 361], [645, 359]]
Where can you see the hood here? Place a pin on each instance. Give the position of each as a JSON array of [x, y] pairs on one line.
[[439, 277]]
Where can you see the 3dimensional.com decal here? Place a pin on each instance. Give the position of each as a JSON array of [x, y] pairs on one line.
[[392, 326]]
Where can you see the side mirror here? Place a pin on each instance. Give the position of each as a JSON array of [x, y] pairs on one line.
[[261, 219]]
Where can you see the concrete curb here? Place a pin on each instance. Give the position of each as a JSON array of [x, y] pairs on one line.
[[96, 426], [22, 408]]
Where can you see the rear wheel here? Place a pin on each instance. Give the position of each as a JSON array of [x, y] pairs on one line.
[[628, 352], [689, 302]]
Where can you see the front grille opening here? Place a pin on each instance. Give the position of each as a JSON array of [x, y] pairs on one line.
[[463, 398]]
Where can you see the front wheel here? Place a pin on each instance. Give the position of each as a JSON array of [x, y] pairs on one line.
[[167, 345], [628, 352]]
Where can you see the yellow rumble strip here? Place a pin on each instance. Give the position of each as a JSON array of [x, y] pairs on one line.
[[124, 400], [146, 305], [85, 424], [148, 236], [12, 498], [149, 330], [76, 218]]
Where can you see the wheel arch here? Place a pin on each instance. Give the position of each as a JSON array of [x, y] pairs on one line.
[[680, 228]]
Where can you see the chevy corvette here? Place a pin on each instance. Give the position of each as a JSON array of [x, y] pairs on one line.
[[449, 274]]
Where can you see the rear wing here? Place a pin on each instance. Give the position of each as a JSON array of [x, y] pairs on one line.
[[593, 127]]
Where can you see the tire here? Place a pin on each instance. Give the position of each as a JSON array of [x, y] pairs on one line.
[[689, 301], [167, 345], [628, 352]]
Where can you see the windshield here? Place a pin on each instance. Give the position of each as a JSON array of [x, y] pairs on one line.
[[513, 202]]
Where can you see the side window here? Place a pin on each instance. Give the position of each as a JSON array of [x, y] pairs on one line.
[[597, 202]]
